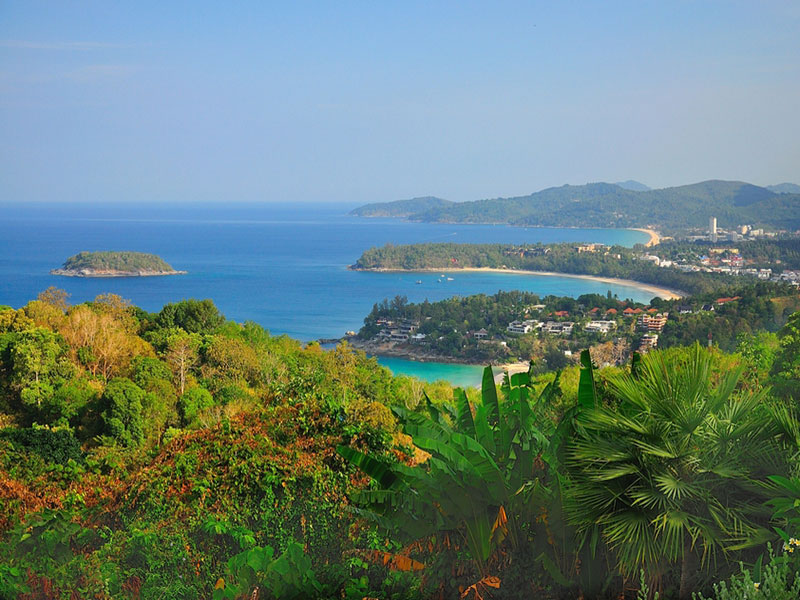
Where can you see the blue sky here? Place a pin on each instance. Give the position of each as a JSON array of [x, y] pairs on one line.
[[372, 101]]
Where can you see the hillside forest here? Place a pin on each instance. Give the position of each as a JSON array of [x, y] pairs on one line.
[[178, 454]]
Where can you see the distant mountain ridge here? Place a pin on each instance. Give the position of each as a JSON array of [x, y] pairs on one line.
[[785, 188], [631, 184], [610, 205]]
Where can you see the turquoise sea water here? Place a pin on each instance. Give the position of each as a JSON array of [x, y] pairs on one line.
[[459, 375], [283, 266]]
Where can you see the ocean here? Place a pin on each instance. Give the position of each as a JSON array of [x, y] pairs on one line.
[[282, 266]]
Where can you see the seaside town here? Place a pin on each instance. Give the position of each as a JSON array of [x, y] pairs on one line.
[[474, 334], [644, 324], [726, 259]]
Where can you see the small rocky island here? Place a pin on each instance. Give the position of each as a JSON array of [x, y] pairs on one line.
[[115, 264]]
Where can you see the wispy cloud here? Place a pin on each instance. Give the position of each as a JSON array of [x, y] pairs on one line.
[[78, 46], [92, 73]]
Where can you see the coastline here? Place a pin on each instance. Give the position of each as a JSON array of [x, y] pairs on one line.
[[661, 292], [389, 351], [407, 353], [655, 238]]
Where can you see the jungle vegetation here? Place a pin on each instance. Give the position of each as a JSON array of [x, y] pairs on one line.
[[181, 455]]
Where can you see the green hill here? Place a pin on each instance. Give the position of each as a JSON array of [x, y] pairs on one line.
[[609, 205], [400, 208]]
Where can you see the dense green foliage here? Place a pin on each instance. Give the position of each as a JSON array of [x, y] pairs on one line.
[[113, 483], [151, 461], [665, 468], [54, 445], [116, 261], [608, 205]]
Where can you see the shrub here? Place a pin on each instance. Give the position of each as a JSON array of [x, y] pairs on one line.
[[778, 580], [193, 402], [54, 445], [123, 414]]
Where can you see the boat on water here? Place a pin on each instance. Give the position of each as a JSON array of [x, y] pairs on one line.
[[449, 279], [419, 281]]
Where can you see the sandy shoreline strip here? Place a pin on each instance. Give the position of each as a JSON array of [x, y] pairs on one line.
[[654, 240], [661, 292]]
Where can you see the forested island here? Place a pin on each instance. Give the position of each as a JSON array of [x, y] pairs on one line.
[[178, 454], [115, 264], [674, 209]]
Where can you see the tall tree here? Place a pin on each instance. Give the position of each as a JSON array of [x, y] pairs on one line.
[[38, 365], [182, 356]]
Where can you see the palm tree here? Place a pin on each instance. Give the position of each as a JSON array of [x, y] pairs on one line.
[[675, 470]]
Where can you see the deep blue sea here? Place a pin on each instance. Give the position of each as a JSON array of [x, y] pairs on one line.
[[283, 266]]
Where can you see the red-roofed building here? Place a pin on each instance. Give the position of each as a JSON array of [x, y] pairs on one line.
[[611, 311], [594, 310], [652, 310], [561, 313], [726, 300], [628, 312]]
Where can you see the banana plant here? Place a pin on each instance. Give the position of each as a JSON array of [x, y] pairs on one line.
[[483, 479]]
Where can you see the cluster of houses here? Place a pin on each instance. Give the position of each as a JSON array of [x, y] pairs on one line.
[[531, 325], [402, 331], [727, 261], [648, 320], [523, 251]]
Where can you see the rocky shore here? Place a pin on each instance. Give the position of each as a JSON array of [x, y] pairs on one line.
[[112, 273], [406, 351]]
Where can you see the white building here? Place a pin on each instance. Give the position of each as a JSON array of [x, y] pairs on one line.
[[558, 327], [601, 326], [712, 228], [523, 326]]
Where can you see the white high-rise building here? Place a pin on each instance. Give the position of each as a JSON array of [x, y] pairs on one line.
[[712, 228]]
